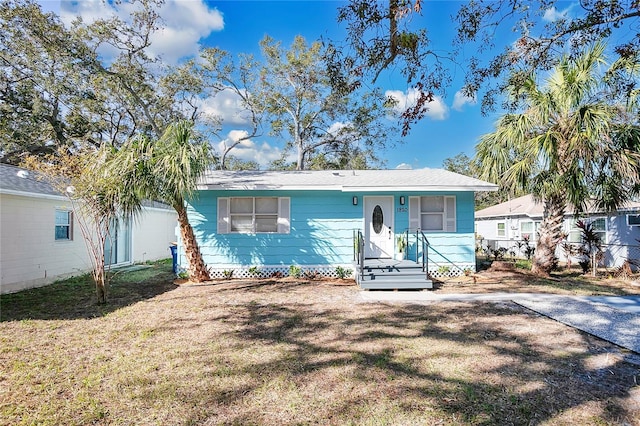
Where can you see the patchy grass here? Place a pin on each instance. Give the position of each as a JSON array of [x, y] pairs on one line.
[[75, 297], [295, 352], [516, 280]]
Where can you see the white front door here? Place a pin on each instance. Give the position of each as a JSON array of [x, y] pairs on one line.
[[378, 227]]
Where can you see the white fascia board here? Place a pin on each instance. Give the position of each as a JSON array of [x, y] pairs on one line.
[[33, 195], [417, 188], [270, 188], [344, 188], [509, 215]]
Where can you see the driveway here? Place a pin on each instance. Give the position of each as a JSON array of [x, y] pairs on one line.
[[612, 318]]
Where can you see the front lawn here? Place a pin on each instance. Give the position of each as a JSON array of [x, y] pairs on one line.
[[289, 352]]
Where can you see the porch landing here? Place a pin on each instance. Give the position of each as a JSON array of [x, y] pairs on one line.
[[390, 274]]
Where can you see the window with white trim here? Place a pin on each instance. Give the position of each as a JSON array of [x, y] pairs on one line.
[[502, 230], [64, 225], [434, 213], [527, 231], [599, 226], [253, 215], [633, 219]]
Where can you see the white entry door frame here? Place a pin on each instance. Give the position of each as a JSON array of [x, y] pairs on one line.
[[378, 227]]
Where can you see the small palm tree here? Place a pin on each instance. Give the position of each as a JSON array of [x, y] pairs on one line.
[[167, 170], [568, 144]]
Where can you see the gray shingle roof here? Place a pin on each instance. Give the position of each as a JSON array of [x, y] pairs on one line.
[[526, 206], [17, 179], [344, 180]]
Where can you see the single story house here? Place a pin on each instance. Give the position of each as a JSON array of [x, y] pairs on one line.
[[505, 224], [40, 241], [272, 221]]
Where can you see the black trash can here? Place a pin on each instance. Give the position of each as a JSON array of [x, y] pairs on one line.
[[174, 255]]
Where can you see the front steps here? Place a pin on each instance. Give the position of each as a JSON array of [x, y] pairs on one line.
[[388, 274]]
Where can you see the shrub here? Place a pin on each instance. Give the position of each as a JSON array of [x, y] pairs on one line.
[[343, 273], [295, 271], [255, 272]]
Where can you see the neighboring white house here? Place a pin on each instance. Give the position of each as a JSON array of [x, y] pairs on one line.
[[40, 242], [505, 224]]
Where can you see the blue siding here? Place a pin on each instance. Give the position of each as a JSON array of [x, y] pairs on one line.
[[322, 225], [446, 248]]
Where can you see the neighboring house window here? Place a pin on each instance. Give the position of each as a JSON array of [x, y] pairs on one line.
[[252, 215], [433, 213], [575, 234], [502, 229], [599, 227], [64, 225], [633, 219], [528, 231]]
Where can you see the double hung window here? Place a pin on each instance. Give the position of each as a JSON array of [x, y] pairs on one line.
[[63, 225], [434, 213], [253, 215]]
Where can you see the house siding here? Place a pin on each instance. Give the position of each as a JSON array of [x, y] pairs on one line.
[[621, 241], [322, 224], [152, 234], [29, 254], [31, 257]]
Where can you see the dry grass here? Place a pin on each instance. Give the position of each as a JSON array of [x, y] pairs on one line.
[[514, 280], [287, 352]]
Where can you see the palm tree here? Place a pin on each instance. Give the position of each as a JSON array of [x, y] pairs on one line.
[[167, 170], [567, 145], [98, 198]]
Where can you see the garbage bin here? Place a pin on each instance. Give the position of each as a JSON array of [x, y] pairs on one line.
[[174, 255]]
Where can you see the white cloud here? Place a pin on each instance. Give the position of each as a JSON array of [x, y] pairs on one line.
[[460, 100], [437, 109], [184, 24], [404, 166], [552, 14], [248, 150], [226, 105]]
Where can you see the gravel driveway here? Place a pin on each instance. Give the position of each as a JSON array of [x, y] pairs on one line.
[[612, 318]]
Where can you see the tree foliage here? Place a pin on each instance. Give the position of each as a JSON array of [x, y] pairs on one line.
[[167, 170], [384, 35], [99, 198], [311, 116], [575, 139], [465, 165], [58, 90]]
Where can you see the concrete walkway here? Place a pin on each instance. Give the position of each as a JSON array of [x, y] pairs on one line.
[[612, 318]]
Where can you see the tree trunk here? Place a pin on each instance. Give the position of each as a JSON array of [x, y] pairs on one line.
[[198, 271], [102, 285], [550, 236]]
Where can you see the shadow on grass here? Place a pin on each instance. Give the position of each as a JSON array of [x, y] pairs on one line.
[[75, 298], [525, 383]]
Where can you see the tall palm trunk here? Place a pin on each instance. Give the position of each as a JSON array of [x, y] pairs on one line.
[[198, 271], [550, 235]]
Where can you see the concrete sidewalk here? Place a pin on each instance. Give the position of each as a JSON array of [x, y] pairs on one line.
[[612, 318]]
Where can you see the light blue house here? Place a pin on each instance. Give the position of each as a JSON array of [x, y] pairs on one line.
[[380, 224]]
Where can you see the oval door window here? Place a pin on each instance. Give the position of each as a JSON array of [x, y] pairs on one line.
[[377, 219]]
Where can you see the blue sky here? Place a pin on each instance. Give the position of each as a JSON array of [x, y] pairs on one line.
[[237, 26]]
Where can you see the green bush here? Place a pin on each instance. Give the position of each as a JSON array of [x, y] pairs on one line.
[[295, 271], [343, 272]]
